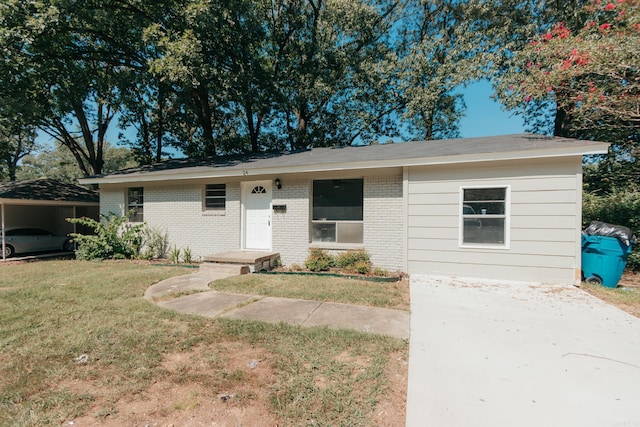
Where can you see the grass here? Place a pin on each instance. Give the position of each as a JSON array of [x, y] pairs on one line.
[[53, 311], [319, 288], [625, 298]]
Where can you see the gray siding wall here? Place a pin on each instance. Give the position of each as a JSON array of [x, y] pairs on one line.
[[544, 230]]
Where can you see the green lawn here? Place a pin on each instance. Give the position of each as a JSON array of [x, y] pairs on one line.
[[319, 288], [51, 312]]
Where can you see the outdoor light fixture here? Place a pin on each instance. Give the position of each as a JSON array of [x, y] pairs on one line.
[[278, 183]]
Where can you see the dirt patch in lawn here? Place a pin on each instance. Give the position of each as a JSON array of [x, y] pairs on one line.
[[630, 280], [229, 385]]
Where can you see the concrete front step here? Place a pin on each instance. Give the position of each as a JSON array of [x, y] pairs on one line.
[[256, 260], [236, 269]]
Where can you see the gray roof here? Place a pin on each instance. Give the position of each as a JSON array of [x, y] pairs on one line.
[[48, 190], [355, 157]]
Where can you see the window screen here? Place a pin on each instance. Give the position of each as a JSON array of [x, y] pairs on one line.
[[484, 215], [337, 211], [135, 203]]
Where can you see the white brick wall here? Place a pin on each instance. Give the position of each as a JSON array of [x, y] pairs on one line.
[[291, 229], [384, 221], [112, 200], [177, 210]]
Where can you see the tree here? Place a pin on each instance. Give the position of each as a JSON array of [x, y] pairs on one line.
[[589, 72], [58, 163], [433, 62], [153, 110], [200, 48], [17, 138], [331, 54], [586, 77], [276, 74], [16, 142], [73, 61]]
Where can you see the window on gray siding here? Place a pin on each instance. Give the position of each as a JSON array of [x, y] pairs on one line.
[[337, 211], [215, 196], [484, 215], [135, 203]]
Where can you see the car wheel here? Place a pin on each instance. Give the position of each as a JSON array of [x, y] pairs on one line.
[[68, 246], [593, 280], [8, 251]]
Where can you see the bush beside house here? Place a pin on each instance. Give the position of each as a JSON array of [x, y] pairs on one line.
[[618, 207]]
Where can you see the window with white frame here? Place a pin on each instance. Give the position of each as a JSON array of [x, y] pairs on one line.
[[215, 196], [337, 211], [135, 204], [484, 215]]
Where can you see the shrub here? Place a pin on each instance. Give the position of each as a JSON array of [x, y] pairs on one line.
[[112, 237], [354, 261], [380, 272], [620, 207], [361, 267], [187, 256], [156, 243], [350, 258], [295, 267], [633, 262], [319, 260], [277, 263], [175, 255]]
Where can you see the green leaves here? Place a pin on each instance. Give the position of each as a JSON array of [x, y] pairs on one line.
[[112, 238], [588, 69], [218, 77]]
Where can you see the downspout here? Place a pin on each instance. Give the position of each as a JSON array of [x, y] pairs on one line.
[[405, 219]]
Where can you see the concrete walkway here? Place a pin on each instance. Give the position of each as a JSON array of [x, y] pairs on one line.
[[210, 303], [514, 354]]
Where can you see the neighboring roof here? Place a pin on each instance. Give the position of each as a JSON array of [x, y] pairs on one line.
[[504, 147], [47, 190]]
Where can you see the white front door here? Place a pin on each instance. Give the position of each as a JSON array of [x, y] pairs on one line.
[[257, 215]]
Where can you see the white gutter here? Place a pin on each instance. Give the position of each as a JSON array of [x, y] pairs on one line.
[[24, 202], [210, 172]]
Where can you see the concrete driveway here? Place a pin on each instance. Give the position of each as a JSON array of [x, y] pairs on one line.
[[515, 354]]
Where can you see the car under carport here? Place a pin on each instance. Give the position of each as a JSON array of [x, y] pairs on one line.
[[45, 203]]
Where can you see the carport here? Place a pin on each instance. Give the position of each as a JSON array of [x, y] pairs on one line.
[[45, 203]]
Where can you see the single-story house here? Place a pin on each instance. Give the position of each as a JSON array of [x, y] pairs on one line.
[[504, 207], [45, 203]]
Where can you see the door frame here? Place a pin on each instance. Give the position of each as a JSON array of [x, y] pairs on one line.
[[245, 188]]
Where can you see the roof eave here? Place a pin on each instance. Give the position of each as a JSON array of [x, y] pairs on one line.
[[601, 148], [33, 202]]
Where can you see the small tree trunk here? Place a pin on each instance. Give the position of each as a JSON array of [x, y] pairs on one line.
[[201, 97]]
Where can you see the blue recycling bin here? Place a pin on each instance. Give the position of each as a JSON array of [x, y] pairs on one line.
[[603, 259]]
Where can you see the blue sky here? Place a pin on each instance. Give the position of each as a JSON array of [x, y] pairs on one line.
[[484, 116]]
